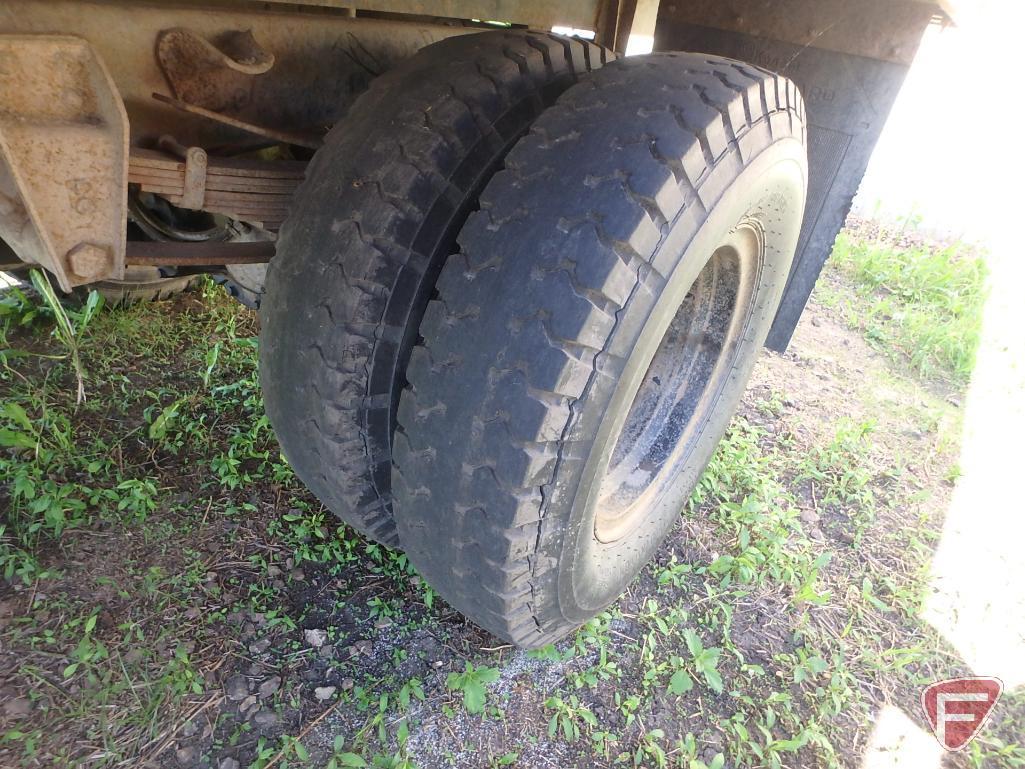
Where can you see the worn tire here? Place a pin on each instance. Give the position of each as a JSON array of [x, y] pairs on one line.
[[377, 214], [140, 284], [622, 272]]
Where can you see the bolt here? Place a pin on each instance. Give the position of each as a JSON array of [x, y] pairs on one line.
[[88, 260]]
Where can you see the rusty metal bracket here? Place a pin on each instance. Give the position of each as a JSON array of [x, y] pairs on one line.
[[215, 77], [194, 177], [63, 158]]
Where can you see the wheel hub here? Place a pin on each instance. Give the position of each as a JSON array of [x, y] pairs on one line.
[[682, 382]]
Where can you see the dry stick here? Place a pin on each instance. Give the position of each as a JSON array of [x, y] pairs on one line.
[[302, 733]]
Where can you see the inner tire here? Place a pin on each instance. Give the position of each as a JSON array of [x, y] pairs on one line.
[[594, 335], [140, 284], [370, 226]]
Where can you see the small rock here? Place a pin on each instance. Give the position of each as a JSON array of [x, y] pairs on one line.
[[259, 647], [273, 571], [382, 622], [268, 687], [265, 718], [236, 688], [810, 516], [258, 618], [347, 683], [18, 707], [193, 612], [247, 704], [816, 320], [324, 692], [187, 755], [297, 575], [189, 729], [315, 637], [326, 652], [817, 534], [228, 763]]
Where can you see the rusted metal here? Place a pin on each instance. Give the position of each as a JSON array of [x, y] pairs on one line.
[[63, 158], [194, 176], [250, 190], [288, 137], [215, 77], [207, 254], [323, 60]]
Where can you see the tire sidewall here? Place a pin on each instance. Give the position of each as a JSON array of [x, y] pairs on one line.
[[770, 190]]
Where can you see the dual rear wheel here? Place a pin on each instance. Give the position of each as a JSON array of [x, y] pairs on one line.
[[506, 332]]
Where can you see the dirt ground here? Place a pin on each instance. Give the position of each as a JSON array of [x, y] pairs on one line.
[[236, 625]]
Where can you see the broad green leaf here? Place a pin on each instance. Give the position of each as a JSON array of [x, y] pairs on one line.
[[487, 675], [680, 683], [473, 696], [17, 413], [714, 680], [12, 439], [694, 644]]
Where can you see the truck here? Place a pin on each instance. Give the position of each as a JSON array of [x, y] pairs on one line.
[[511, 282]]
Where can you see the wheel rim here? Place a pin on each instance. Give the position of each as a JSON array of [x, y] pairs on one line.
[[681, 385]]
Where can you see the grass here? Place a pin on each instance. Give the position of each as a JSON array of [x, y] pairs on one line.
[[920, 303], [173, 594]]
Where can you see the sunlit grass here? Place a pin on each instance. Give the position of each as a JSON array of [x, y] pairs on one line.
[[923, 305]]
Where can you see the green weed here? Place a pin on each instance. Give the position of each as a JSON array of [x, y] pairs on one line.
[[924, 304], [472, 682]]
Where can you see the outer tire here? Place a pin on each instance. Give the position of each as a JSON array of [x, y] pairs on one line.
[[378, 213], [588, 248]]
